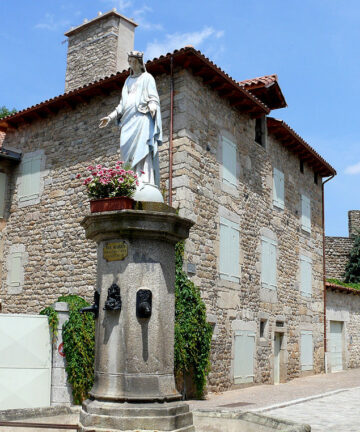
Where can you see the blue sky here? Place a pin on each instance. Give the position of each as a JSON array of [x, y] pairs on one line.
[[311, 44]]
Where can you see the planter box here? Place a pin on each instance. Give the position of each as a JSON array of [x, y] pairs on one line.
[[110, 204]]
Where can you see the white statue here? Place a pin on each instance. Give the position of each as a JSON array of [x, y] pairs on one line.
[[139, 118]]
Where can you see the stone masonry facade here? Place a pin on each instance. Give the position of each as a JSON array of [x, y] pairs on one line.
[[337, 249], [57, 259]]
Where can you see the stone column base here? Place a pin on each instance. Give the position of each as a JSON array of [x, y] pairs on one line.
[[98, 416]]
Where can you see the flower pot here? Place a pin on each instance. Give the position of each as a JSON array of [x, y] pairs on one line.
[[110, 204]]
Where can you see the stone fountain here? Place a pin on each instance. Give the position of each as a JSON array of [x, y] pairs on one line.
[[134, 388]]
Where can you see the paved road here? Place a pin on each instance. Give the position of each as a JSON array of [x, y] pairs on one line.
[[338, 412]]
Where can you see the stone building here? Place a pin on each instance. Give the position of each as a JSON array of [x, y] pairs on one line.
[[342, 303], [251, 184]]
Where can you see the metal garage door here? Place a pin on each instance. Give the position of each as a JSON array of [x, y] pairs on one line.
[[25, 361], [336, 348]]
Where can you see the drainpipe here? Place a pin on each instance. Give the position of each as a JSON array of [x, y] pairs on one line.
[[324, 276], [171, 128]]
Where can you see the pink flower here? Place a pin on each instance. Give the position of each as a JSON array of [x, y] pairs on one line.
[[142, 172], [90, 168], [119, 162], [137, 183], [87, 180], [121, 180], [78, 176], [98, 166]]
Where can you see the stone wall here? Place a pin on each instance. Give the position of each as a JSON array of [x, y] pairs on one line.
[[337, 250], [345, 307], [98, 48], [354, 222], [61, 261]]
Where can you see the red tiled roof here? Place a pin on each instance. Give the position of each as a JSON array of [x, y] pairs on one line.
[[187, 57], [290, 139], [336, 287], [259, 81], [267, 89]]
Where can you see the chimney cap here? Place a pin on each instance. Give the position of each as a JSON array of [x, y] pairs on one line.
[[86, 23]]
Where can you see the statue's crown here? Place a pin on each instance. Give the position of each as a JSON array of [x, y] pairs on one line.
[[137, 54]]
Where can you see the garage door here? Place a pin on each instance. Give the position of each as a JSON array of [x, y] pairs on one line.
[[25, 361], [336, 348]]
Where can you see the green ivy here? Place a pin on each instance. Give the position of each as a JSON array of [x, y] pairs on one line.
[[79, 345], [53, 321], [192, 332]]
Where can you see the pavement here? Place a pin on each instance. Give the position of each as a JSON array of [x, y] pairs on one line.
[[261, 398]]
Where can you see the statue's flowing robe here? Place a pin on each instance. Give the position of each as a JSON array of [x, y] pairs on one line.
[[140, 133]]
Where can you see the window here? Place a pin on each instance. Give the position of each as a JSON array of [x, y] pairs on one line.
[[29, 186], [268, 263], [305, 214], [302, 167], [305, 276], [262, 327], [315, 178], [15, 269], [260, 131], [278, 188], [229, 250], [2, 194], [306, 350], [228, 162]]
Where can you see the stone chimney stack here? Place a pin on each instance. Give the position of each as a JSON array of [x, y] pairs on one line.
[[98, 48], [354, 222]]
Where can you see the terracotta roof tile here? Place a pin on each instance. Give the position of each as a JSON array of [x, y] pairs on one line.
[[263, 80]]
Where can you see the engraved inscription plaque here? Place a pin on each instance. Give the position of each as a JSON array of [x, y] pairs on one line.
[[115, 251]]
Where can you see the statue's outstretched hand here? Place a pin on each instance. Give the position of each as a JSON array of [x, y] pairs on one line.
[[104, 122]]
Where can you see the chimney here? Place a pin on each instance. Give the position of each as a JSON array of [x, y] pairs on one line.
[[98, 48], [354, 222]]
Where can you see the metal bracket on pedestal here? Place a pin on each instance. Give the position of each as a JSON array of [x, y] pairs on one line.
[[113, 301]]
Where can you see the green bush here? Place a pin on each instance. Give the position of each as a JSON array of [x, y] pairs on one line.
[[352, 270], [344, 284], [192, 331]]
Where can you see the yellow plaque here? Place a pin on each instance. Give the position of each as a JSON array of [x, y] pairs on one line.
[[115, 251]]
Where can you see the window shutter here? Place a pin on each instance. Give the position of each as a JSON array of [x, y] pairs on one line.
[[30, 179], [278, 189], [244, 349], [306, 350], [268, 263], [2, 194], [15, 269], [229, 250], [305, 213], [228, 162], [305, 276]]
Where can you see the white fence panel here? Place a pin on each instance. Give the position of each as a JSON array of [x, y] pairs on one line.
[[25, 361]]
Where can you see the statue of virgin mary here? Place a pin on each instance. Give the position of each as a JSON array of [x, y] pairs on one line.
[[139, 118]]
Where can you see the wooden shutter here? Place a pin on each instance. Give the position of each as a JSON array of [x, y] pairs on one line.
[[306, 350], [268, 263], [244, 349], [228, 162], [16, 269], [305, 276], [278, 189], [2, 194], [305, 213], [229, 250], [30, 179]]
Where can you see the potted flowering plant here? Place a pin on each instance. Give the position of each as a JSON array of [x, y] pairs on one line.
[[110, 188]]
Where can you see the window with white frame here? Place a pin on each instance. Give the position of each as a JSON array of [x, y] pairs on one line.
[[228, 162], [278, 189], [29, 184], [306, 350], [305, 213], [305, 276], [2, 194], [229, 250], [268, 263]]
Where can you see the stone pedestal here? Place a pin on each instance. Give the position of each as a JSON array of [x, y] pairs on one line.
[[134, 386]]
